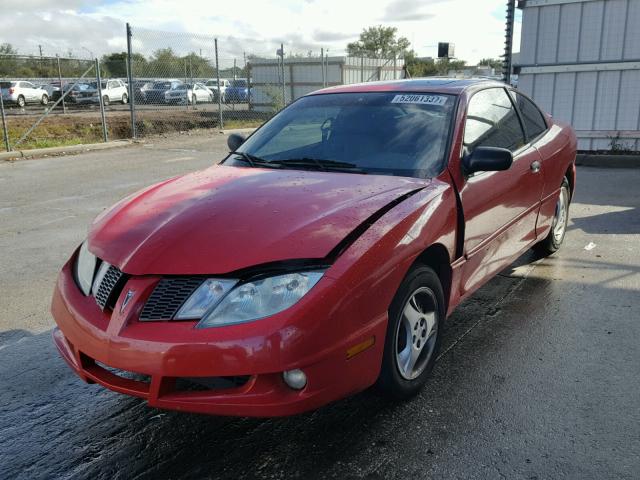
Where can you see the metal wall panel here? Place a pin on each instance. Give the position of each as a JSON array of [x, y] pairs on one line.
[[632, 37], [584, 100], [613, 30], [570, 15], [564, 97], [529, 36], [549, 18], [543, 90], [591, 31], [606, 104]]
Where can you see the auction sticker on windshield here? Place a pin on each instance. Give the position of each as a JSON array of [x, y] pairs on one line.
[[422, 99]]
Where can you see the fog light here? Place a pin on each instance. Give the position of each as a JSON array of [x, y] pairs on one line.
[[295, 379]]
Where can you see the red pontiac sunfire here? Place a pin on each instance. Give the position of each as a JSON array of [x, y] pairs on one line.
[[323, 254]]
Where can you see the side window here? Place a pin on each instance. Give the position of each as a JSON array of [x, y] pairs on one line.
[[26, 85], [532, 118], [492, 122]]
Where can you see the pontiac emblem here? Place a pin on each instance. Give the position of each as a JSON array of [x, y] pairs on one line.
[[126, 300]]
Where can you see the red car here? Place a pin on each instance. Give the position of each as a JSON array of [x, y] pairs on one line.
[[322, 256]]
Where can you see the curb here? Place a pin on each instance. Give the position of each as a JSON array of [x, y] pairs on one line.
[[41, 152], [608, 160], [238, 130]]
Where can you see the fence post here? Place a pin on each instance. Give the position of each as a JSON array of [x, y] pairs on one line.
[[220, 121], [5, 134], [324, 80], [284, 95], [132, 102], [64, 106], [104, 120], [247, 70], [361, 69]]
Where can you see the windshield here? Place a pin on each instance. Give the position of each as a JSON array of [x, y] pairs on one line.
[[239, 83], [375, 132]]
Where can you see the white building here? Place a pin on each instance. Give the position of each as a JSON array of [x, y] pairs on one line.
[[580, 60]]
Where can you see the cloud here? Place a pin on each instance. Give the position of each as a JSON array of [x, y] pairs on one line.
[[257, 27], [329, 36], [407, 10]]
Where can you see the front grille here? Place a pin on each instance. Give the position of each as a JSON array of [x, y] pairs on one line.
[[168, 296], [110, 288]]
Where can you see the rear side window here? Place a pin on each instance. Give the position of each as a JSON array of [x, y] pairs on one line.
[[533, 119], [492, 122]]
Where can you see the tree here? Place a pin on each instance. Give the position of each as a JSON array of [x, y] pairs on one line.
[[419, 67], [378, 42], [492, 62]]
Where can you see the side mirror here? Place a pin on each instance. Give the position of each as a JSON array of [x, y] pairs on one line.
[[487, 159], [234, 141]]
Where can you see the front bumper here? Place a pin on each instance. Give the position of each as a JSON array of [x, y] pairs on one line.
[[167, 352]]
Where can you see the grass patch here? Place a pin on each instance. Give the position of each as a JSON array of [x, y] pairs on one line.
[[242, 123], [62, 130]]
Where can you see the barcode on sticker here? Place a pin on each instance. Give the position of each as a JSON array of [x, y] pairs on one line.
[[421, 99]]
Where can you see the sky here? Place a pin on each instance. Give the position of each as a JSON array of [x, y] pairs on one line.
[[88, 29]]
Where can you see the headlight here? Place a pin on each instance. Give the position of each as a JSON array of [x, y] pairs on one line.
[[207, 296], [85, 268], [258, 299]]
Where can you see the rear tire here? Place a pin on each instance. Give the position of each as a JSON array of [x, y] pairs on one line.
[[553, 241], [45, 99], [416, 318], [21, 103]]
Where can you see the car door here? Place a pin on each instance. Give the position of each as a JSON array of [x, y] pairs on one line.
[[29, 91], [500, 208]]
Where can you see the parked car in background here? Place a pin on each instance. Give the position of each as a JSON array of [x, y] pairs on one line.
[[53, 90], [212, 85], [323, 255], [156, 93], [22, 93], [187, 93], [237, 91], [82, 94], [140, 88], [112, 91]]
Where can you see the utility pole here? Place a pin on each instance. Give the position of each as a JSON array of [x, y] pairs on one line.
[[40, 47]]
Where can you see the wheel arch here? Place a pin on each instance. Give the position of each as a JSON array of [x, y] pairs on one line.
[[436, 256]]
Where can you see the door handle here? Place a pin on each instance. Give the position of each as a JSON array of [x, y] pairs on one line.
[[535, 166]]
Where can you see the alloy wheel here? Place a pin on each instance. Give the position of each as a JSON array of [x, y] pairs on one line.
[[417, 332], [562, 215]]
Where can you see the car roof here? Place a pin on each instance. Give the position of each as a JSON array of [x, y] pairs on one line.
[[452, 86]]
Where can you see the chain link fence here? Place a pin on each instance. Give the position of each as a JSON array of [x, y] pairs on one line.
[[166, 82]]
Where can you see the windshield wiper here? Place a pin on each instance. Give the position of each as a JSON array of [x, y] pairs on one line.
[[320, 163], [254, 161]]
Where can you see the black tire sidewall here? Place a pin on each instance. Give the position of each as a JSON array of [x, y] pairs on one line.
[[21, 101], [390, 380]]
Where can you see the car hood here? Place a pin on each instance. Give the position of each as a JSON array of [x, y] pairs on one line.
[[223, 219]]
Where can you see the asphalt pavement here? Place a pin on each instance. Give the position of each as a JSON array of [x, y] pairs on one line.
[[538, 375]]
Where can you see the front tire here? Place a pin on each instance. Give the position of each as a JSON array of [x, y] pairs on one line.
[[45, 99], [105, 101], [556, 235], [125, 99], [194, 100], [416, 318]]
